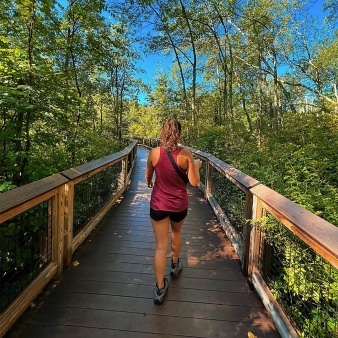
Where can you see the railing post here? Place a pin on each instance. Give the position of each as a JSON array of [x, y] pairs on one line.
[[58, 227], [68, 227], [131, 159], [134, 154], [124, 174], [247, 233], [257, 214], [208, 180]]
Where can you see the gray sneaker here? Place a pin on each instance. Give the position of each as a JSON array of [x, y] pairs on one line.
[[160, 293], [176, 268]]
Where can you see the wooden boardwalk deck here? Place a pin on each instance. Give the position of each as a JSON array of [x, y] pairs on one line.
[[110, 292]]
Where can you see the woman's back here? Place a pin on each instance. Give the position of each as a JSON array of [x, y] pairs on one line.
[[169, 191]]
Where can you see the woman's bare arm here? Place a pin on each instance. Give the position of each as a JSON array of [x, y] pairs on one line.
[[150, 170]]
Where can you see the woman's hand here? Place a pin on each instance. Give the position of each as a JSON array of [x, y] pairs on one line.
[[198, 163], [150, 184]]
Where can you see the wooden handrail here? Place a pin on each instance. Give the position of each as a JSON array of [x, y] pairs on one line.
[[319, 234], [89, 169], [20, 199]]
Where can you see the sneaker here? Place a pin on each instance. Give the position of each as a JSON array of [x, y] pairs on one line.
[[160, 293], [176, 268]]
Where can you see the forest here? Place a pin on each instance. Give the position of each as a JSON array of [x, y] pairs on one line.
[[252, 82]]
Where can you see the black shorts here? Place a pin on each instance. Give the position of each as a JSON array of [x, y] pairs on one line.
[[158, 215]]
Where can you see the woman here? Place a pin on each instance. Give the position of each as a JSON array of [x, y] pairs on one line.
[[169, 200]]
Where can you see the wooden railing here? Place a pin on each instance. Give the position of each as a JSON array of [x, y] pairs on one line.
[[37, 222], [289, 254]]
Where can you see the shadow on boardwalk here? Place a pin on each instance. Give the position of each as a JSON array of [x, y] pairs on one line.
[[110, 292]]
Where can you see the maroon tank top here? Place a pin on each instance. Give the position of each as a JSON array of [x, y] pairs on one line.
[[169, 191]]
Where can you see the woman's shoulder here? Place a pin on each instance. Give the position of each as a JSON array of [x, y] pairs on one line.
[[155, 154], [156, 150], [185, 152]]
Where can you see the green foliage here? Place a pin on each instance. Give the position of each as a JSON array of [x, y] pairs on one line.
[[214, 141], [5, 186], [143, 121], [297, 161], [66, 76], [300, 280]]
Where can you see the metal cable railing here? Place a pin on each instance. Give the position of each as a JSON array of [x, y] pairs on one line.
[[25, 250], [303, 283], [231, 199], [91, 194]]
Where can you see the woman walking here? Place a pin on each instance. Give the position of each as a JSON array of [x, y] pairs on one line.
[[169, 200]]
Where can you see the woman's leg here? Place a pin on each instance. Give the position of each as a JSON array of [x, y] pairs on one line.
[[161, 231], [176, 240]]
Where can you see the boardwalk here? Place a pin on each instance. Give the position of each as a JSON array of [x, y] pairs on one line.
[[110, 292]]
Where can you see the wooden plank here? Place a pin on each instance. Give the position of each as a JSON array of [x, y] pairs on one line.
[[190, 251], [247, 233], [121, 230], [18, 200], [148, 323], [55, 331], [58, 228], [216, 239], [68, 224], [206, 262], [141, 264], [144, 275], [319, 234], [142, 305]]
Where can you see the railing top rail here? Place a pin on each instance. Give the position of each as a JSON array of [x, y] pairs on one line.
[[86, 168], [13, 198], [242, 178], [321, 235]]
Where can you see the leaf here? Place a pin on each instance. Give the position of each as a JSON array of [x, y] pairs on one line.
[[251, 335]]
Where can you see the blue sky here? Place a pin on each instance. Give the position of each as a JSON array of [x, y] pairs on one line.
[[153, 62]]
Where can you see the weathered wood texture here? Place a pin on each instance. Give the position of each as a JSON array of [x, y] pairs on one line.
[[21, 199], [110, 292], [319, 234]]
